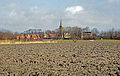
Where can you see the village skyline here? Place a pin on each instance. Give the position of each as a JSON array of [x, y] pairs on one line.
[[61, 33]]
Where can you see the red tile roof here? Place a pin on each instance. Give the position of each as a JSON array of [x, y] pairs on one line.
[[53, 35]]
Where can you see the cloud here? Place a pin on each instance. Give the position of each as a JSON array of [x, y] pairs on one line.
[[74, 9], [13, 13], [34, 9]]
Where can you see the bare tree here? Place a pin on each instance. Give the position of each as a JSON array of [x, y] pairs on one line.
[[86, 29], [1, 35], [6, 35], [111, 33], [15, 35], [95, 31], [48, 31], [76, 33]]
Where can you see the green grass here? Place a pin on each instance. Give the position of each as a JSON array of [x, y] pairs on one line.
[[52, 41], [88, 40]]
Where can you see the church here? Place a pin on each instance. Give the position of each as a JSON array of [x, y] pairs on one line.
[[61, 34]]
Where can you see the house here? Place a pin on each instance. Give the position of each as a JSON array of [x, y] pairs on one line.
[[34, 36], [67, 36], [87, 36], [49, 36], [17, 37], [27, 36], [46, 36], [52, 36], [21, 36]]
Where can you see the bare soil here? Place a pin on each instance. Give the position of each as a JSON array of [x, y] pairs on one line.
[[60, 59]]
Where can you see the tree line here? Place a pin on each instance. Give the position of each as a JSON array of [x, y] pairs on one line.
[[76, 32], [8, 35]]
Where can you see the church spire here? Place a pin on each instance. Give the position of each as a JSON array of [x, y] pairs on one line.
[[60, 23]]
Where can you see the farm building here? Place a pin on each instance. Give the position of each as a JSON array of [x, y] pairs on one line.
[[88, 36]]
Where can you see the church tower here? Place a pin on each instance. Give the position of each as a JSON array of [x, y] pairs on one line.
[[60, 32]]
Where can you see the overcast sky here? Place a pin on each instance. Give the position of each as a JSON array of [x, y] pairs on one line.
[[20, 15]]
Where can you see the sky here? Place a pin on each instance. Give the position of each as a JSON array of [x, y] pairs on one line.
[[21, 15]]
